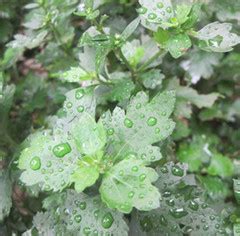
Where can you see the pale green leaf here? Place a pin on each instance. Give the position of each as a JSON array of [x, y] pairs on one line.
[[128, 185]]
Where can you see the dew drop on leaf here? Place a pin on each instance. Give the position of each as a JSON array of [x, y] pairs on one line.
[[142, 177], [135, 168], [177, 171], [35, 163], [193, 205], [169, 9], [163, 220], [79, 94], [164, 169], [110, 131], [160, 5], [80, 109], [152, 16], [157, 130], [142, 10], [62, 149], [82, 205], [107, 220], [78, 218], [170, 202], [152, 121], [49, 164], [69, 105], [131, 194], [128, 123], [86, 231], [178, 212], [138, 106]]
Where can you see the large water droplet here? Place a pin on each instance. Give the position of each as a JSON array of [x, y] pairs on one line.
[[152, 16], [78, 218], [152, 121], [35, 163], [107, 220], [82, 205], [79, 94], [193, 205], [128, 123], [69, 105], [178, 212], [160, 5], [62, 149], [80, 109], [177, 171], [142, 10], [169, 9], [110, 131]]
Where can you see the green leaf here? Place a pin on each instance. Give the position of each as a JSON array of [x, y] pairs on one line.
[[129, 30], [201, 64], [236, 186], [89, 136], [182, 210], [156, 14], [152, 78], [195, 153], [145, 123], [217, 37], [214, 187], [5, 195], [177, 45], [82, 214], [128, 185], [220, 165], [76, 75], [182, 12]]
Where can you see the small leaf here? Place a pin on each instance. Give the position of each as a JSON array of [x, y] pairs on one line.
[[129, 30], [177, 45], [217, 37]]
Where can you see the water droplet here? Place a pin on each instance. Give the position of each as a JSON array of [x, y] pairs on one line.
[[152, 121], [79, 94], [78, 218], [131, 194], [163, 220], [212, 217], [128, 123], [96, 213], [167, 194], [157, 131], [142, 177], [177, 171], [49, 164], [69, 105], [138, 106], [135, 168], [141, 195], [110, 131], [35, 163], [204, 205], [152, 16], [86, 230], [164, 113], [146, 224], [164, 169], [142, 10], [62, 149], [80, 109], [82, 205], [170, 202], [160, 5], [193, 205], [205, 227], [121, 172], [178, 212], [169, 9]]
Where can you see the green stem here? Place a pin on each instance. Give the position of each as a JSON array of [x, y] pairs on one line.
[[150, 61]]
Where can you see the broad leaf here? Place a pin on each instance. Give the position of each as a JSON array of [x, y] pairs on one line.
[[145, 123], [128, 185], [217, 37]]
